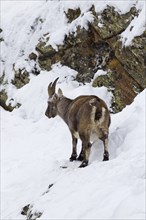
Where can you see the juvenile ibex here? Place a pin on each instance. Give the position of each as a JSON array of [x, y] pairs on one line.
[[87, 118]]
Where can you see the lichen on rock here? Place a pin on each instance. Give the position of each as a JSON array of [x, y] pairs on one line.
[[72, 14], [110, 23]]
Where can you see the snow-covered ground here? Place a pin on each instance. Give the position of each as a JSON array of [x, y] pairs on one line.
[[33, 153], [34, 148]]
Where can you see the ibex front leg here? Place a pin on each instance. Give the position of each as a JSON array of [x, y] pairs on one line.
[[74, 148]]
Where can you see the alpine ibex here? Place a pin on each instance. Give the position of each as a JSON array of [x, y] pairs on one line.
[[87, 118]]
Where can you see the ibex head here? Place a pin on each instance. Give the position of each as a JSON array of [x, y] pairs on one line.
[[51, 110]]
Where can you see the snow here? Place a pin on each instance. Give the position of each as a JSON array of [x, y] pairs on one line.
[[134, 30], [99, 73], [34, 149], [33, 153]]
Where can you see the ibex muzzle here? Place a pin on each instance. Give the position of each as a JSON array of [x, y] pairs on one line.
[[87, 118]]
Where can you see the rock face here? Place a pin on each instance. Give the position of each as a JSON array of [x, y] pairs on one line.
[[132, 58], [84, 51], [99, 47]]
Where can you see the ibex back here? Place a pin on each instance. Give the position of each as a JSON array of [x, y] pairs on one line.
[[87, 118]]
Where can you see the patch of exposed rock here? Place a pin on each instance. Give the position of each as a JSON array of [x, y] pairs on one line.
[[29, 213], [21, 77]]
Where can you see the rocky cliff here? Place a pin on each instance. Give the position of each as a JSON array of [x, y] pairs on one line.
[[97, 47]]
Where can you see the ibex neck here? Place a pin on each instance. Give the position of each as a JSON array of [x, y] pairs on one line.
[[62, 108]]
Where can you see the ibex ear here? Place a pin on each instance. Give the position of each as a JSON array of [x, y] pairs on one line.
[[60, 93]]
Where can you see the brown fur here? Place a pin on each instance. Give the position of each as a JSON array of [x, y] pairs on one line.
[[87, 118]]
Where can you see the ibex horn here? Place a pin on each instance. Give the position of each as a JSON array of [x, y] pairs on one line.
[[51, 88]]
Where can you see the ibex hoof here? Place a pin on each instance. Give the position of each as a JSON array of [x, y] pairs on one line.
[[105, 158], [83, 164], [80, 157], [73, 157]]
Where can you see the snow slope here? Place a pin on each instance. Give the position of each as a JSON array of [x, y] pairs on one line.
[[33, 153], [34, 149]]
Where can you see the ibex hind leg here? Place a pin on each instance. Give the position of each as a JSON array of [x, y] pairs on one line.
[[87, 147], [81, 156], [104, 138], [74, 149]]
